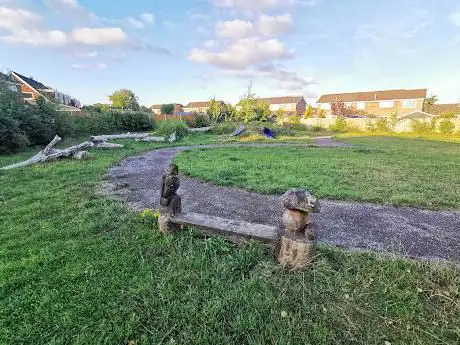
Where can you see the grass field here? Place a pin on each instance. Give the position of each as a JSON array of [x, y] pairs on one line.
[[77, 268], [389, 170]]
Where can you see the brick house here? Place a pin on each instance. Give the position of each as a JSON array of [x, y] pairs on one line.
[[289, 104], [199, 107], [380, 103], [31, 90], [156, 108]]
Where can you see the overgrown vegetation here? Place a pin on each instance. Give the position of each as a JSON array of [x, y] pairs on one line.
[[78, 268], [166, 128], [388, 170], [23, 124]]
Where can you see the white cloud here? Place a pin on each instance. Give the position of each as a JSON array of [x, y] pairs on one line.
[[243, 53], [87, 67], [88, 54], [141, 22], [234, 29], [102, 66], [455, 18], [37, 38], [260, 5], [71, 9], [274, 25], [265, 26], [99, 36], [18, 19], [148, 18]]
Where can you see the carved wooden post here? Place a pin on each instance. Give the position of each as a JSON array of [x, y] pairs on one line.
[[297, 242], [170, 202]]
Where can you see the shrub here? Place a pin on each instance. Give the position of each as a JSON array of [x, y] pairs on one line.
[[382, 125], [166, 128], [340, 125], [11, 138], [293, 119], [423, 127], [447, 116], [133, 121], [202, 120], [446, 127], [226, 127]]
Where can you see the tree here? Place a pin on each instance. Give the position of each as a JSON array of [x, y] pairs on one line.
[[309, 112], [279, 115], [230, 112], [167, 109], [216, 110], [322, 113], [431, 100], [124, 99], [252, 109]]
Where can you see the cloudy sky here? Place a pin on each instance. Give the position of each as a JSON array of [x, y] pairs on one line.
[[182, 50]]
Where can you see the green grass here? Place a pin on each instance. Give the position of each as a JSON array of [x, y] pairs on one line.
[[78, 268], [389, 170]]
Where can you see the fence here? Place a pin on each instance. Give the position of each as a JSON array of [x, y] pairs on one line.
[[167, 117], [363, 123]]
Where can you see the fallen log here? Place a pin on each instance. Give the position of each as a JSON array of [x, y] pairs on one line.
[[201, 129], [49, 153], [150, 139], [118, 136], [106, 145]]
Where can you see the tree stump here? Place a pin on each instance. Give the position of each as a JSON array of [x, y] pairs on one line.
[[297, 240], [170, 202]]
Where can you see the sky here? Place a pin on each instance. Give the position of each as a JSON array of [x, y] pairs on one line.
[[170, 51]]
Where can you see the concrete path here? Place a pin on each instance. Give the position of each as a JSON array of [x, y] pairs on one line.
[[403, 231]]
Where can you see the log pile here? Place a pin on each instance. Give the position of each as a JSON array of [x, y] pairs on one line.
[[80, 151]]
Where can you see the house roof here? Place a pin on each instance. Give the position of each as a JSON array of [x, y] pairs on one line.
[[282, 100], [33, 83], [438, 109], [200, 104], [373, 96], [417, 115]]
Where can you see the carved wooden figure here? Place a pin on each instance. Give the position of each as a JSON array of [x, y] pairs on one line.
[[297, 240], [170, 202]]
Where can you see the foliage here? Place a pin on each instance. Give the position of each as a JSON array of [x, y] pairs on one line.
[[201, 120], [309, 112], [446, 127], [423, 127], [166, 128], [24, 123], [382, 125], [252, 109], [321, 113], [293, 119], [216, 110], [124, 99], [226, 127], [340, 125], [231, 113], [429, 101], [97, 108], [167, 109], [447, 116], [279, 115]]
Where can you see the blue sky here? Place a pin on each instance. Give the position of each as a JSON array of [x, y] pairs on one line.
[[178, 51]]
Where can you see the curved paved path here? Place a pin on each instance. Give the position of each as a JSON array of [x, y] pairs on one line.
[[405, 231]]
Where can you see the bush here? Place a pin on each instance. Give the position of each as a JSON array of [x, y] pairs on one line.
[[446, 127], [422, 127], [202, 120], [166, 128], [382, 125], [11, 138], [225, 127], [293, 119], [340, 125]]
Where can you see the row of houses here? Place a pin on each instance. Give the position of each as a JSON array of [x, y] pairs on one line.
[[31, 90], [379, 103]]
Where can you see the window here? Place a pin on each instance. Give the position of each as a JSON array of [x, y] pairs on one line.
[[325, 106], [387, 104], [409, 103], [360, 105], [28, 95]]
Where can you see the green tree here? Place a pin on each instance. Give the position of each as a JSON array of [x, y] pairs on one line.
[[124, 99], [252, 109], [322, 113], [429, 102], [309, 112], [216, 110], [167, 109], [279, 115], [230, 112]]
